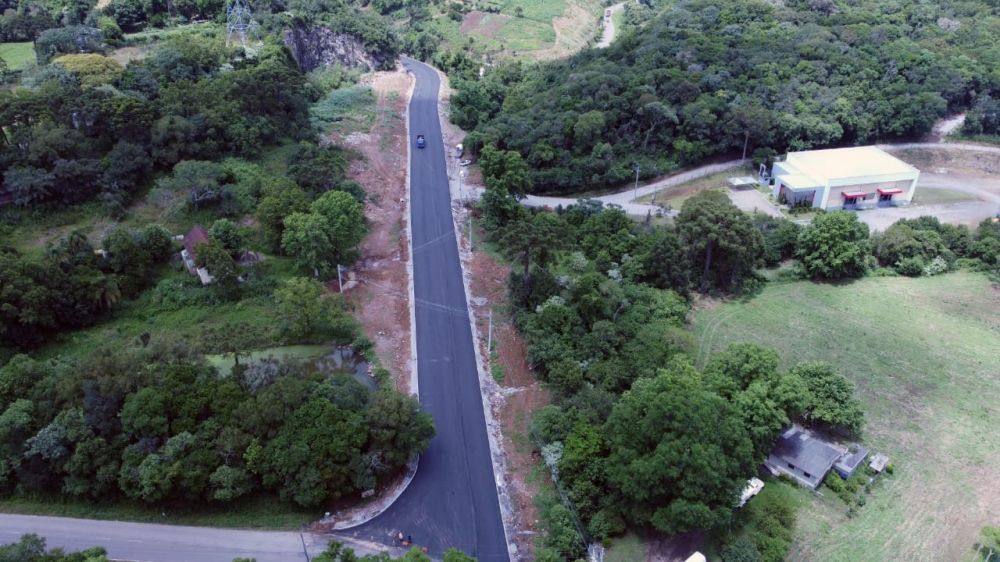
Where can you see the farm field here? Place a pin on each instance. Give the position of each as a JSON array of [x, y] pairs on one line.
[[544, 30], [923, 356], [17, 55]]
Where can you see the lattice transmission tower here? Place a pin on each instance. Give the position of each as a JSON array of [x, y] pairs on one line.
[[240, 23]]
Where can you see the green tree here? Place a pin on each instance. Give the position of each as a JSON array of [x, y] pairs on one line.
[[740, 365], [538, 237], [346, 220], [227, 233], [505, 171], [220, 265], [834, 246], [679, 452], [306, 238], [144, 414], [721, 241], [306, 312], [832, 400], [741, 550], [278, 201], [397, 428]]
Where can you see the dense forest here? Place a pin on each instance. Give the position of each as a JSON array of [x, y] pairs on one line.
[[647, 430], [190, 132], [703, 79], [151, 421]]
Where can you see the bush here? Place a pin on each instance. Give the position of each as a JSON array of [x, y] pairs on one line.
[[911, 267]]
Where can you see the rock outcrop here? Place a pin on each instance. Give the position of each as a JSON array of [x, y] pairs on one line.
[[313, 47]]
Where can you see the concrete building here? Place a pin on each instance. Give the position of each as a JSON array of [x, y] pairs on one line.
[[859, 177], [807, 458]]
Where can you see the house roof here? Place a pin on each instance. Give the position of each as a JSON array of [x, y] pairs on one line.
[[196, 236], [851, 459], [806, 453], [841, 163]]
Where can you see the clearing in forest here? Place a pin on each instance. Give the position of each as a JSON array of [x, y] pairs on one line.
[[923, 356]]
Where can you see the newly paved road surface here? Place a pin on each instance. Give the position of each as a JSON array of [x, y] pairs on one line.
[[452, 500], [161, 543]]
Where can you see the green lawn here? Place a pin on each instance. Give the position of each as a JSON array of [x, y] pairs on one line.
[[925, 356], [629, 548], [676, 195], [262, 512], [927, 196], [17, 55]]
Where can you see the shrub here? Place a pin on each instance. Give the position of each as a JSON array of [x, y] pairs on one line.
[[912, 266]]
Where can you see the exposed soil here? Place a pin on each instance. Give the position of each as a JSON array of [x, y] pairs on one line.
[[483, 23], [379, 287], [520, 393], [126, 55], [953, 162]]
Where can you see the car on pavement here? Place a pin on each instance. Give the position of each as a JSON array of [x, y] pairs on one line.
[[421, 141]]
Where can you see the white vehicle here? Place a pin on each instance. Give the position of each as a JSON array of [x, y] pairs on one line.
[[754, 486]]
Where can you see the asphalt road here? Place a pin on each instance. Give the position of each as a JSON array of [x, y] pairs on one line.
[[161, 543], [452, 500]]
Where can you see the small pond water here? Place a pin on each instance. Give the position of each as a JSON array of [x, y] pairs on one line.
[[323, 358]]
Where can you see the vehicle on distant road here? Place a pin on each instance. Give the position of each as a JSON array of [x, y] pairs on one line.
[[421, 141]]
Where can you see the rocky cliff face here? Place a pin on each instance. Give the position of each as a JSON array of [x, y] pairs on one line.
[[319, 46]]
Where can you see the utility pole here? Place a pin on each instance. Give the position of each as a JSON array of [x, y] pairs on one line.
[[746, 139], [635, 188], [489, 336], [470, 232], [340, 280]]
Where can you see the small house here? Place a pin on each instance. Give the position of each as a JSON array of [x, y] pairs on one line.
[[848, 464], [197, 235], [803, 457], [879, 463], [858, 177]]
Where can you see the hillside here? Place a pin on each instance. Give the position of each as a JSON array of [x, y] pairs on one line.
[[700, 80]]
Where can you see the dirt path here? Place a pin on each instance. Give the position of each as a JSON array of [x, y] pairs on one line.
[[608, 35], [945, 127], [380, 282]]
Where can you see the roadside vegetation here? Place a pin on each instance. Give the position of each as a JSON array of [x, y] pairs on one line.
[[700, 80], [922, 356], [603, 304], [109, 405], [31, 548]]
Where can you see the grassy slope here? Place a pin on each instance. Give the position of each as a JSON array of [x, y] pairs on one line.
[[17, 55], [261, 512], [532, 34], [924, 356]]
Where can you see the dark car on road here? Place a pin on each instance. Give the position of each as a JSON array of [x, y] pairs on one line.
[[421, 141]]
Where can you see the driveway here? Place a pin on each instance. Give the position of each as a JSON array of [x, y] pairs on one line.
[[452, 500], [986, 191]]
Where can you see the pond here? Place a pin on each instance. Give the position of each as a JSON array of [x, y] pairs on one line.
[[323, 358]]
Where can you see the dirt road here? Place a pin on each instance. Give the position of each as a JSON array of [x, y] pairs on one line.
[[609, 25]]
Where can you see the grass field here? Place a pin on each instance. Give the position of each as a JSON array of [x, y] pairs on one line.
[[626, 549], [544, 30], [925, 357], [928, 196], [17, 55], [262, 512], [676, 195]]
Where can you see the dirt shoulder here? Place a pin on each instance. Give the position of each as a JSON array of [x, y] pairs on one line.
[[379, 282]]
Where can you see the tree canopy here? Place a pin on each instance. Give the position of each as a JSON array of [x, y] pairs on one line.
[[697, 79]]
